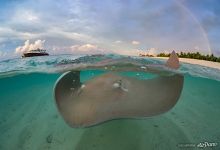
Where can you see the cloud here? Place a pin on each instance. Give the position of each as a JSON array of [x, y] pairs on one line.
[[25, 16], [87, 49], [118, 42], [135, 42], [28, 46], [10, 34], [152, 51], [84, 48], [129, 52], [76, 36], [160, 24], [80, 49]]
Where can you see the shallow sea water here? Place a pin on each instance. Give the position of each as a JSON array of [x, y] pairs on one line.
[[30, 120]]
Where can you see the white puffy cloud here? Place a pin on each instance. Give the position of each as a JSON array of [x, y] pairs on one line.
[[135, 42], [79, 49], [30, 46], [87, 49], [84, 48]]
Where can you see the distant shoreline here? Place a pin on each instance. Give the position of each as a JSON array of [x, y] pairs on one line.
[[215, 65]]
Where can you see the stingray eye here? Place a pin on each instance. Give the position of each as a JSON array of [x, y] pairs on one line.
[[83, 86], [119, 84], [116, 85]]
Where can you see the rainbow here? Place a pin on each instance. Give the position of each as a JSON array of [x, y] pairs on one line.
[[179, 4]]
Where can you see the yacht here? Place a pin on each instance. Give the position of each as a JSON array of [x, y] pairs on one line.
[[36, 52]]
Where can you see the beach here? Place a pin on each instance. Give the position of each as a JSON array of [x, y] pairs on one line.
[[205, 63]]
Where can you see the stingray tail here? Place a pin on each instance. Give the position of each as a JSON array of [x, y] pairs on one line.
[[173, 61]]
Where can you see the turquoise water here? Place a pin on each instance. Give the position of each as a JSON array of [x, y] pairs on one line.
[[29, 118]]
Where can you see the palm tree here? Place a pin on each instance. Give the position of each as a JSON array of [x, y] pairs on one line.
[[196, 55]]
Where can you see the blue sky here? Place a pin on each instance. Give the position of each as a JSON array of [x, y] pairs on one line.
[[109, 26]]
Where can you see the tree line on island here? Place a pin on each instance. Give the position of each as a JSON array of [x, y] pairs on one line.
[[192, 55]]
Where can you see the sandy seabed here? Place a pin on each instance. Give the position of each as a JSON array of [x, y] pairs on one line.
[[29, 120]]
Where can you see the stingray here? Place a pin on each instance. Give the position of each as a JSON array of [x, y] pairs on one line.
[[112, 96]]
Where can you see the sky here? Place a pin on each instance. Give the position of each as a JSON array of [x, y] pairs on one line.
[[126, 27]]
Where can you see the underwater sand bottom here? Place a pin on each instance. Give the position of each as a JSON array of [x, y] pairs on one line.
[[31, 122]]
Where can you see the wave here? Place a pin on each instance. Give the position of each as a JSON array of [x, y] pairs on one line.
[[62, 63]]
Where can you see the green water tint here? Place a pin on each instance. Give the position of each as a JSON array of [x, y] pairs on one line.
[[29, 119], [139, 75], [114, 95], [89, 74]]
